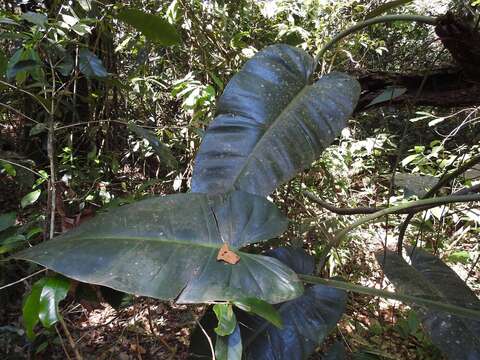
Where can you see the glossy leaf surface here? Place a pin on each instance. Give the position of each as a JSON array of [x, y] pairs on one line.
[[226, 319], [260, 308], [42, 303], [166, 247], [54, 290], [272, 123], [295, 258], [306, 320], [30, 308], [428, 277]]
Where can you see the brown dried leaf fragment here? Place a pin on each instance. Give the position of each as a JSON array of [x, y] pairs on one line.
[[227, 255]]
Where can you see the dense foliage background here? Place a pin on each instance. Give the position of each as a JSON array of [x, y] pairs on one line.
[[94, 114]]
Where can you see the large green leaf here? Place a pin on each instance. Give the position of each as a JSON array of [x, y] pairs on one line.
[[272, 122], [155, 28], [166, 247], [307, 320], [428, 277]]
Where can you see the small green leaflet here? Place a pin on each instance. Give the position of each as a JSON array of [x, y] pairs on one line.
[[260, 308], [54, 290], [153, 27], [42, 303], [226, 319], [30, 198], [30, 308], [8, 168]]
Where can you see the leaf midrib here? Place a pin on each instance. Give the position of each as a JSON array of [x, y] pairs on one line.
[[152, 239], [265, 133]]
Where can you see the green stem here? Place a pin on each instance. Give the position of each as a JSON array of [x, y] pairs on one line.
[[440, 306], [377, 20], [412, 204]]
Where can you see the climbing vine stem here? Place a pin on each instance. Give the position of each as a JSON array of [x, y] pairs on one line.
[[421, 301], [377, 20], [395, 209]]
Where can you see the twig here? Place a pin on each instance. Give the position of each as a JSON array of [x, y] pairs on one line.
[[339, 210], [445, 179], [18, 112], [23, 167], [51, 155], [22, 279], [212, 350], [62, 343], [377, 20], [152, 329], [473, 267], [433, 202], [437, 305], [70, 339], [26, 92], [371, 210], [90, 122]]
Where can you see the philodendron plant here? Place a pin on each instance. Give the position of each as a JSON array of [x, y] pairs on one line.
[[273, 120]]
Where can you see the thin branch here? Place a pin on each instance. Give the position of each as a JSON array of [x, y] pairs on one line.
[[340, 210], [445, 179], [70, 338], [62, 343], [18, 112], [377, 20], [396, 209], [51, 155], [26, 92], [370, 210], [474, 265], [212, 350], [22, 166], [449, 308], [449, 176], [22, 279], [90, 122]]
